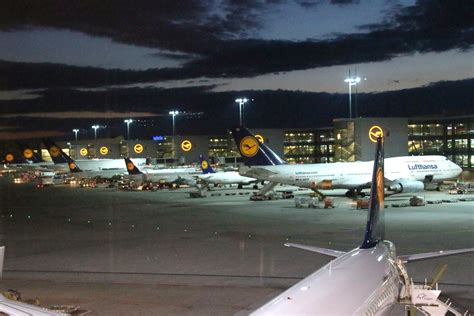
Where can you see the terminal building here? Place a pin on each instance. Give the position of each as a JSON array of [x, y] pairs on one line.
[[346, 140]]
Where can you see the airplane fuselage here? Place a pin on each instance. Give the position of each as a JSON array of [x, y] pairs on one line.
[[359, 282], [347, 175], [228, 177]]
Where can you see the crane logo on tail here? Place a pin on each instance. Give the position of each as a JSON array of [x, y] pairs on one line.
[[375, 132], [130, 166], [249, 146], [28, 153], [204, 165], [9, 157], [54, 151]]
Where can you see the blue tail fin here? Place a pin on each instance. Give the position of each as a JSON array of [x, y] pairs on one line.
[[254, 152], [205, 165], [131, 168], [28, 153], [60, 156], [12, 157], [57, 155], [375, 229]]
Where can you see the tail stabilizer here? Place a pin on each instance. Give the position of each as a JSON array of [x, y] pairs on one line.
[[436, 254], [131, 168], [56, 153], [254, 152], [375, 229], [205, 165], [323, 251]]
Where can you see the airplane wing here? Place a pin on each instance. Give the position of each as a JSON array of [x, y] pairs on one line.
[[256, 172], [323, 251], [436, 254]]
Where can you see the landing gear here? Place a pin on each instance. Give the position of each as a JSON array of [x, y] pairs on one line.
[[239, 186], [255, 187], [355, 193]]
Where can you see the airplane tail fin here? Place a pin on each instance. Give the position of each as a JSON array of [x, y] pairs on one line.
[[375, 229], [28, 153], [205, 165], [11, 157], [254, 152], [131, 168], [57, 155]]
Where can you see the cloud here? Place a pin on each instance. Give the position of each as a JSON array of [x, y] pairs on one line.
[[82, 115], [29, 134]]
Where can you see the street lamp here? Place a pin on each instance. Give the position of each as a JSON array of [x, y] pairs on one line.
[[75, 148], [352, 82], [128, 121], [95, 127], [173, 114], [241, 102]]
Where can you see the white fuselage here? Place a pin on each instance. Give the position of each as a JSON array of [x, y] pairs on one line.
[[228, 177], [356, 174], [360, 282], [165, 175]]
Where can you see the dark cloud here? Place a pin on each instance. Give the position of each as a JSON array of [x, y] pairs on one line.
[[210, 37], [277, 109]]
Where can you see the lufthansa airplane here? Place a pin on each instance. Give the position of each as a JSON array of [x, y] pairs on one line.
[[228, 177], [166, 176], [368, 280], [403, 174], [97, 166]]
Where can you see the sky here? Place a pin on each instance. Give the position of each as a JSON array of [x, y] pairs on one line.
[[66, 65]]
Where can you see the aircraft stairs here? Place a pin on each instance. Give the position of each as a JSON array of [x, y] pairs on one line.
[[425, 298]]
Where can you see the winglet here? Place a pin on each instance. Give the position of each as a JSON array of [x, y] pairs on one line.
[[375, 229], [254, 152], [323, 251], [131, 168], [205, 165], [2, 256]]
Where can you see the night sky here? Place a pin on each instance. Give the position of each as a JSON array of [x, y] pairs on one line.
[[72, 64]]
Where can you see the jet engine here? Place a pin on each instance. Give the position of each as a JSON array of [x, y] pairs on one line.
[[404, 185]]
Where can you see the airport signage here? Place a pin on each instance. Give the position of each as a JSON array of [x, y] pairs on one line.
[[158, 138], [186, 145], [375, 132], [104, 150], [83, 151], [138, 148]]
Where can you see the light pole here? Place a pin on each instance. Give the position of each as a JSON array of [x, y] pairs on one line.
[[241, 102], [128, 121], [352, 82], [95, 127], [76, 130], [173, 114]]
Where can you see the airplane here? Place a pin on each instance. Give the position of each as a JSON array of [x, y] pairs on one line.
[[17, 308], [368, 280], [162, 176], [218, 178], [104, 166], [403, 174]]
